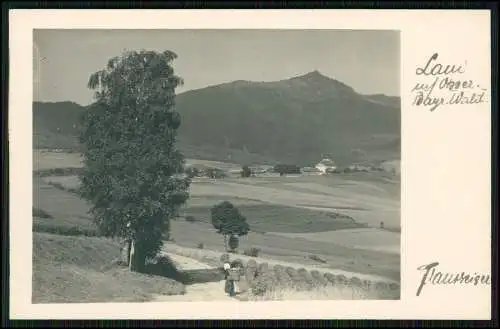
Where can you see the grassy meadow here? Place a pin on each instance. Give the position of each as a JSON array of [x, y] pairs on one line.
[[295, 220], [75, 269]]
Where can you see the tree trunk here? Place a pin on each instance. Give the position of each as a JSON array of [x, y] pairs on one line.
[[137, 259], [125, 253], [225, 242], [129, 250]]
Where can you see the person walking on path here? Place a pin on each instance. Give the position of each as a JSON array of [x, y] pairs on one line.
[[229, 284]]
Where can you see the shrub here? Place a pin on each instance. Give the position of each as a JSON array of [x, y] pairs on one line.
[[246, 171], [64, 188], [58, 172], [215, 173], [190, 219], [291, 272], [355, 281], [252, 252], [308, 279], [319, 278], [37, 212], [264, 267], [285, 278], [341, 279], [297, 280], [64, 230], [317, 258], [258, 286], [200, 246], [251, 271], [331, 278], [264, 281], [381, 286], [282, 278], [192, 172], [393, 286]]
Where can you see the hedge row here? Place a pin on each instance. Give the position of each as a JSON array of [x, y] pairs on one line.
[[69, 171]]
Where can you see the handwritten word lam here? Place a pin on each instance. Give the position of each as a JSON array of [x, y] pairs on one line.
[[438, 68]]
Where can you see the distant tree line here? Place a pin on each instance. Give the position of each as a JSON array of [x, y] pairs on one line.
[[192, 172], [284, 169]]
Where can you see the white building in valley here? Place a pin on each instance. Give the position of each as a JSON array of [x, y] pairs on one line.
[[326, 165]]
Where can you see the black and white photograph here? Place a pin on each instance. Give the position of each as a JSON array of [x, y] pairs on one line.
[[216, 165]]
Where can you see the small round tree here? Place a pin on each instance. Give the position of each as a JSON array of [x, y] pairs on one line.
[[132, 169], [228, 221]]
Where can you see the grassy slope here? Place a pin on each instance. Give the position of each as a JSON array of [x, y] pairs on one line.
[[68, 269], [263, 123]]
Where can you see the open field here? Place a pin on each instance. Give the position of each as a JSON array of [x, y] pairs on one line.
[[70, 215], [294, 250], [43, 159], [266, 218], [283, 210], [366, 202], [369, 238], [47, 159], [292, 218]]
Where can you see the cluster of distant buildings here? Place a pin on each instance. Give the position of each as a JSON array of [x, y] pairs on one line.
[[324, 167]]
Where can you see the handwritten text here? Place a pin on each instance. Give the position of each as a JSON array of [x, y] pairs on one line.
[[443, 80], [434, 277]]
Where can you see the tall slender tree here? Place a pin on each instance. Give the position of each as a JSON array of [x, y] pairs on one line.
[[133, 172]]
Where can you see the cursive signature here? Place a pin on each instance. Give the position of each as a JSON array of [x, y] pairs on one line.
[[432, 276]]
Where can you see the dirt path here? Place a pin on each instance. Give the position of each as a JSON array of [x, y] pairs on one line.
[[183, 263], [195, 292], [212, 291]]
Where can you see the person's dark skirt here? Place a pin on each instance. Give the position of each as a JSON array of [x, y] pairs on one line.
[[229, 287]]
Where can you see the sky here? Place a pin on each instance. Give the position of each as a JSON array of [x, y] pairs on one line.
[[368, 61]]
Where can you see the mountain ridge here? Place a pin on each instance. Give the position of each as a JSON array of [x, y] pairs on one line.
[[290, 120]]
